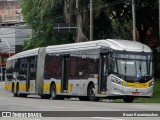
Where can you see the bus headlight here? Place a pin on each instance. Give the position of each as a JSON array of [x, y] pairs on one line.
[[151, 83], [117, 81]]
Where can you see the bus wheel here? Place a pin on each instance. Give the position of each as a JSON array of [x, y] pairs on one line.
[[54, 95], [53, 92], [91, 93], [128, 99], [17, 90], [14, 92]]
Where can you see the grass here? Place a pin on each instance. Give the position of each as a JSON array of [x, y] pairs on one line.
[[154, 99]]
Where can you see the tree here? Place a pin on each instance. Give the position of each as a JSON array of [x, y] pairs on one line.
[[147, 17], [112, 19], [40, 16]]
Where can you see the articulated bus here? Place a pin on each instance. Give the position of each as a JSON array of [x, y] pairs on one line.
[[112, 69]]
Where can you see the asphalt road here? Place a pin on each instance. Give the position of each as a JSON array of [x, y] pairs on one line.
[[35, 103]]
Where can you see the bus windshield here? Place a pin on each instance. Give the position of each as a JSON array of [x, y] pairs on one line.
[[133, 65], [134, 68]]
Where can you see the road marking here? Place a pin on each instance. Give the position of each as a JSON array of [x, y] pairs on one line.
[[106, 118], [57, 107], [139, 105]]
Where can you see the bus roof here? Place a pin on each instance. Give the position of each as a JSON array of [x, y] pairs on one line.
[[26, 53], [114, 44]]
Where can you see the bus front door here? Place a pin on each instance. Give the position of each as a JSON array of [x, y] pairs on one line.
[[64, 80], [102, 81]]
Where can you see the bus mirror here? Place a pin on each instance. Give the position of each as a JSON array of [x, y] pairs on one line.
[[14, 76]]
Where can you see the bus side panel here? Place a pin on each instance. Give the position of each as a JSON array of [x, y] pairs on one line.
[[9, 75], [46, 86], [8, 86], [22, 87], [76, 87]]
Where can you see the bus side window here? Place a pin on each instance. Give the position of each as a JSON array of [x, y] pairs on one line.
[[33, 67], [84, 67], [93, 64], [73, 63], [52, 66], [17, 66]]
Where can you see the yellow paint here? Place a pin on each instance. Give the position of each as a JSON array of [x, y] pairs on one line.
[[135, 85], [8, 86], [58, 87], [15, 87], [23, 86], [69, 87], [46, 86]]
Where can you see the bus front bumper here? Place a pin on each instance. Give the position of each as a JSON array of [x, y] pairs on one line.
[[118, 90]]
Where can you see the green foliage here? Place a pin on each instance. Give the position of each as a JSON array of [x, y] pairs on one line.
[[112, 19], [40, 16], [121, 30]]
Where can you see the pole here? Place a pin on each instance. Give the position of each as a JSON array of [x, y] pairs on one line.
[[1, 69], [91, 20], [134, 20], [8, 47], [159, 20]]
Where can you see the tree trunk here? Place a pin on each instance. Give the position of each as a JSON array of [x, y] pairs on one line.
[[71, 10], [68, 10]]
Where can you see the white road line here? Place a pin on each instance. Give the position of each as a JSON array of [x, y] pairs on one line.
[[139, 105], [107, 118], [22, 101], [57, 107]]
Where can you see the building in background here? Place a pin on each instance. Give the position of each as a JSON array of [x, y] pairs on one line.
[[10, 11], [13, 31]]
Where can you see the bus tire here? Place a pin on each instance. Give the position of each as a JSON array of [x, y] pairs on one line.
[[91, 93], [53, 92], [54, 95], [14, 92], [17, 90], [128, 99]]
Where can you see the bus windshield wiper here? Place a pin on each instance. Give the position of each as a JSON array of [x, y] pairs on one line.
[[125, 68], [140, 68]]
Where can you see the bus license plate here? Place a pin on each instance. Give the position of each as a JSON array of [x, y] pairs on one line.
[[135, 93]]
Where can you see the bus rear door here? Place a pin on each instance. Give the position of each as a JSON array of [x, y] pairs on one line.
[[64, 81]]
